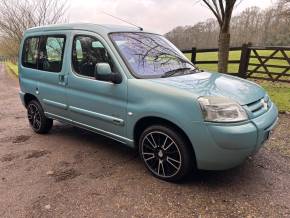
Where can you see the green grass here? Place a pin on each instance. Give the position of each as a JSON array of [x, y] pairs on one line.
[[278, 91], [213, 56]]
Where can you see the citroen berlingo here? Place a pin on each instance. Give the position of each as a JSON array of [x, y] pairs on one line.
[[137, 88]]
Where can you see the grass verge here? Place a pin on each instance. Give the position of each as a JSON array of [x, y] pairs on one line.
[[12, 67], [279, 93]]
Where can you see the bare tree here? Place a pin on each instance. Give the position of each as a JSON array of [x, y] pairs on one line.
[[286, 8], [261, 27], [18, 15], [222, 10]]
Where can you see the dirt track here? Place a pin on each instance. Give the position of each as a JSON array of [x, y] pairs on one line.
[[74, 173]]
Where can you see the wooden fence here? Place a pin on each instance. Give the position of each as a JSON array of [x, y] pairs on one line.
[[265, 63]]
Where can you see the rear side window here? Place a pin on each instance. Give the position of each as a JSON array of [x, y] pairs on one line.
[[30, 52], [51, 53]]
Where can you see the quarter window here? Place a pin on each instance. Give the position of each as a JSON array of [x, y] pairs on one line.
[[30, 52], [87, 52], [51, 53]]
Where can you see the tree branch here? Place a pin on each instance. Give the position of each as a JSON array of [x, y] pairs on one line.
[[219, 19], [222, 8]]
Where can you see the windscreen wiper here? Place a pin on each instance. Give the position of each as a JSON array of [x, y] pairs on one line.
[[179, 71]]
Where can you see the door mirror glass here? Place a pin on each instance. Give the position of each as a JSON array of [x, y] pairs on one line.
[[103, 72]]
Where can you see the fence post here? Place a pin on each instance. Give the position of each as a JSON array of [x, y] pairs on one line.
[[244, 61], [193, 55]]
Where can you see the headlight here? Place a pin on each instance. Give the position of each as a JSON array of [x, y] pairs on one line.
[[221, 109]]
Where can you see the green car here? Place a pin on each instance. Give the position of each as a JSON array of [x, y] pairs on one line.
[[139, 89]]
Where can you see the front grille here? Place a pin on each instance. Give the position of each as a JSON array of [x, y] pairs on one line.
[[260, 106]]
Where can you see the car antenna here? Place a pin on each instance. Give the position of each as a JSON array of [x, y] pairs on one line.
[[140, 28]]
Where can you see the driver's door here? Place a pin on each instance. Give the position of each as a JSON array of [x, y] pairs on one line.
[[95, 104]]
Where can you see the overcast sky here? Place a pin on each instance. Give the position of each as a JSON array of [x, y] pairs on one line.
[[159, 16]]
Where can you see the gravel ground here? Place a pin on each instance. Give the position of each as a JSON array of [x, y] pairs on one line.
[[74, 173]]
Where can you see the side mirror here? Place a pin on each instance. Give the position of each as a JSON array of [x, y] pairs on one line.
[[103, 72]]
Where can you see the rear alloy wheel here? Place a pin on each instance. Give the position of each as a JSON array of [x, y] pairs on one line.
[[37, 119], [165, 153]]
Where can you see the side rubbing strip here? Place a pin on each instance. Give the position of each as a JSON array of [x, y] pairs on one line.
[[110, 119], [55, 104]]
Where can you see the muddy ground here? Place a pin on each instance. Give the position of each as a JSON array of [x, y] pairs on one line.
[[74, 173]]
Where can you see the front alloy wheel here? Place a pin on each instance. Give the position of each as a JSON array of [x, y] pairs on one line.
[[165, 153]]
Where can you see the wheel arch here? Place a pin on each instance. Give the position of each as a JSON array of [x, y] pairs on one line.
[[145, 122], [28, 97]]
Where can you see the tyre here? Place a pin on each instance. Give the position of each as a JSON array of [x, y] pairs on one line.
[[165, 153], [37, 119]]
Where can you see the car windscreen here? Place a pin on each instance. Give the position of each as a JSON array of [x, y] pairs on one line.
[[149, 55]]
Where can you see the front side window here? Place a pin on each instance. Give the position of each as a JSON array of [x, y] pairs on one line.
[[51, 53], [149, 55], [30, 52], [87, 52]]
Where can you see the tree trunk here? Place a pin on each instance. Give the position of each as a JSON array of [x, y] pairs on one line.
[[223, 55]]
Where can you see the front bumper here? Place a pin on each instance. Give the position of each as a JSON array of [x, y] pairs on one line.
[[223, 146]]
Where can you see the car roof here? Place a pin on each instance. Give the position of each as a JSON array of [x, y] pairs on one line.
[[99, 28]]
